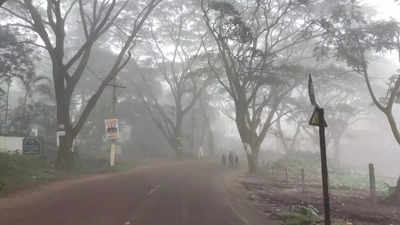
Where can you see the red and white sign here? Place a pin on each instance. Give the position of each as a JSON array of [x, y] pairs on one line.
[[112, 129]]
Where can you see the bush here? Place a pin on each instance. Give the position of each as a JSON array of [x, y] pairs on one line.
[[18, 170], [296, 161], [300, 215]]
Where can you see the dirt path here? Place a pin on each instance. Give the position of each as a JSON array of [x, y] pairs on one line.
[[179, 193]]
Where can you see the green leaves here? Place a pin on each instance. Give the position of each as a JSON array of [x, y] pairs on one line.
[[349, 35], [300, 215], [223, 7]]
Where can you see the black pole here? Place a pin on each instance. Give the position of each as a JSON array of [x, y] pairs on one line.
[[324, 170]]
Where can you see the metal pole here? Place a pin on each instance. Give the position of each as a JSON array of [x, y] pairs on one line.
[[114, 97], [317, 119], [302, 180], [372, 185], [113, 141], [7, 100], [324, 169]]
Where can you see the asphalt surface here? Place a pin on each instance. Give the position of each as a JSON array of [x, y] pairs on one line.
[[173, 193]]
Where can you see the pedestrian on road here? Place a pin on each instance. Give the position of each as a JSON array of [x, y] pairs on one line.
[[223, 160], [230, 156], [236, 161]]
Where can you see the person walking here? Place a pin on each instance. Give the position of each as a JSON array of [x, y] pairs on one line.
[[223, 160], [230, 156], [236, 161]]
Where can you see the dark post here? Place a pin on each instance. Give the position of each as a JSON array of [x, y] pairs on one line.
[[324, 170], [372, 186], [317, 119], [302, 180], [286, 175]]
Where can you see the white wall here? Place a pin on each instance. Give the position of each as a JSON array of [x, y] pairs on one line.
[[11, 144]]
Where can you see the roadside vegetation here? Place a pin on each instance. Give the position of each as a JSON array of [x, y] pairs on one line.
[[345, 178], [21, 171], [279, 191]]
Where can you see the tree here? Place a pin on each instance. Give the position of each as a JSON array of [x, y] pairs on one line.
[[254, 42], [353, 38], [183, 70], [16, 61], [206, 111], [339, 93], [49, 20]]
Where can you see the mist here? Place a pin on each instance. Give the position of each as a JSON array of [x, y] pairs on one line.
[[266, 94]]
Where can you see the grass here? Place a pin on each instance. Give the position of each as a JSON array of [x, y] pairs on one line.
[[300, 215], [21, 171], [306, 215], [343, 178], [17, 171]]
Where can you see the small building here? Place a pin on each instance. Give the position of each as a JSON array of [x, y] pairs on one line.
[[11, 144]]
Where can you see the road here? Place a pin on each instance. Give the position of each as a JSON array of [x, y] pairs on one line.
[[170, 193]]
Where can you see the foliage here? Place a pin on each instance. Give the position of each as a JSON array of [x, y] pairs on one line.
[[176, 50], [36, 114], [352, 37], [296, 161], [389, 192], [50, 20], [15, 56], [300, 215], [338, 178], [255, 49], [17, 171]]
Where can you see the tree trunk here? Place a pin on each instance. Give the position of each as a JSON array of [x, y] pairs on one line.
[[210, 140], [178, 146], [252, 160], [252, 157], [65, 158]]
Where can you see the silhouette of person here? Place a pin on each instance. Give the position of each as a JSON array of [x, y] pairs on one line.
[[223, 160], [236, 161], [230, 159]]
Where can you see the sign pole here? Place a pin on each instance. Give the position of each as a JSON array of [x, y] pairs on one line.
[[113, 148], [113, 141], [318, 119], [324, 170]]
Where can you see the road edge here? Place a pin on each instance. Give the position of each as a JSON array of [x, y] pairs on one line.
[[240, 204]]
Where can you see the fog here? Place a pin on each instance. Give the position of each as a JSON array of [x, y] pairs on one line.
[[162, 66], [184, 77], [101, 84]]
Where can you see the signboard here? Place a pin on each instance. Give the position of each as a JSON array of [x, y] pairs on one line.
[[35, 132], [60, 132], [112, 129], [317, 118], [31, 145]]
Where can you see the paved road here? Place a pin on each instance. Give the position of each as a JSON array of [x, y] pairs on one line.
[[179, 193]]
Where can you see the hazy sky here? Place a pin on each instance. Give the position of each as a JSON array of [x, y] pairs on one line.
[[385, 8]]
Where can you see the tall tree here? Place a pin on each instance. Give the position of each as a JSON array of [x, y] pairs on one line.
[[339, 93], [254, 39], [183, 69], [49, 19], [353, 38], [16, 61]]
